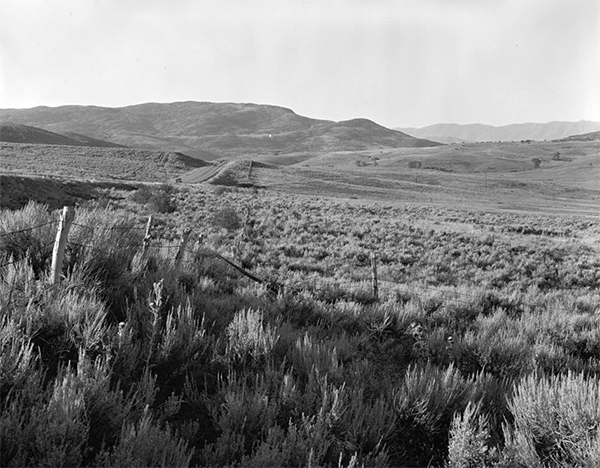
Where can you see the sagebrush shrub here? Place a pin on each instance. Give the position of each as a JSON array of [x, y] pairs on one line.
[[158, 199], [308, 355], [18, 241], [425, 404], [556, 421], [469, 440], [249, 337], [226, 218], [144, 444], [101, 250]]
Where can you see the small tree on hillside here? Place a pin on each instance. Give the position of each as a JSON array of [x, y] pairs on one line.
[[536, 162]]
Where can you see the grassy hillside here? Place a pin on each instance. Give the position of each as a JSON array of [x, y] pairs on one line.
[[212, 130], [497, 176], [592, 136], [56, 192], [95, 163], [17, 133]]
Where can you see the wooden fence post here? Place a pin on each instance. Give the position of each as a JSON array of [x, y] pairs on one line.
[[374, 276], [182, 245], [245, 229], [58, 253], [147, 236]]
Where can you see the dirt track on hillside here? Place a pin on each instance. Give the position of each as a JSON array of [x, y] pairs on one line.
[[201, 174]]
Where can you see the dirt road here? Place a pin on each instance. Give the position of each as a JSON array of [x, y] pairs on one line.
[[201, 174]]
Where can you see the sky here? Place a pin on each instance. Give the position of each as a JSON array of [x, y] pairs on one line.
[[401, 63]]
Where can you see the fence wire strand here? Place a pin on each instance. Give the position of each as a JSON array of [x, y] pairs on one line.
[[110, 228], [314, 283], [18, 231]]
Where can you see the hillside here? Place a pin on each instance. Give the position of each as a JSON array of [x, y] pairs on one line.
[[513, 132], [92, 163], [19, 133], [212, 130], [592, 136]]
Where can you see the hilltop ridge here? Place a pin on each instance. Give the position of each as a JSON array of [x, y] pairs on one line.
[[212, 130], [11, 132]]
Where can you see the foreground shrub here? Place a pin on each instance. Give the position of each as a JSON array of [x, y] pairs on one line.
[[19, 241], [144, 444], [249, 337], [469, 439], [51, 432], [425, 405], [100, 251], [556, 422]]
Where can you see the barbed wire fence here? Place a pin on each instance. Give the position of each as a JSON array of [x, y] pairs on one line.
[[185, 255]]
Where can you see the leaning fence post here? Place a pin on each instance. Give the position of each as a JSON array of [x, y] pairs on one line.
[[374, 276], [146, 244], [182, 245], [58, 253]]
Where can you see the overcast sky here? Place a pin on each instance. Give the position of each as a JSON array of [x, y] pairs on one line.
[[398, 62]]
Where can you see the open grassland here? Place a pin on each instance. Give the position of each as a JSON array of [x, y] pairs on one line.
[[481, 348], [490, 192], [491, 176]]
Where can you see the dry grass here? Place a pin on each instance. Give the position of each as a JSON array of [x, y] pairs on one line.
[[90, 163]]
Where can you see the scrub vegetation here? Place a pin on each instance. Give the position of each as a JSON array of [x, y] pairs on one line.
[[481, 349]]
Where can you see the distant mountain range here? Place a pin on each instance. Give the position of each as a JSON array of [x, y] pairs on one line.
[[455, 133], [18, 133], [212, 130]]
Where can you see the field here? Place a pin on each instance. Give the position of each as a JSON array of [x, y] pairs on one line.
[[490, 176], [94, 163], [480, 347]]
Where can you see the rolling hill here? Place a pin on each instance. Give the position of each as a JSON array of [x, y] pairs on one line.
[[87, 163], [18, 133], [513, 132], [212, 130], [592, 136]]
